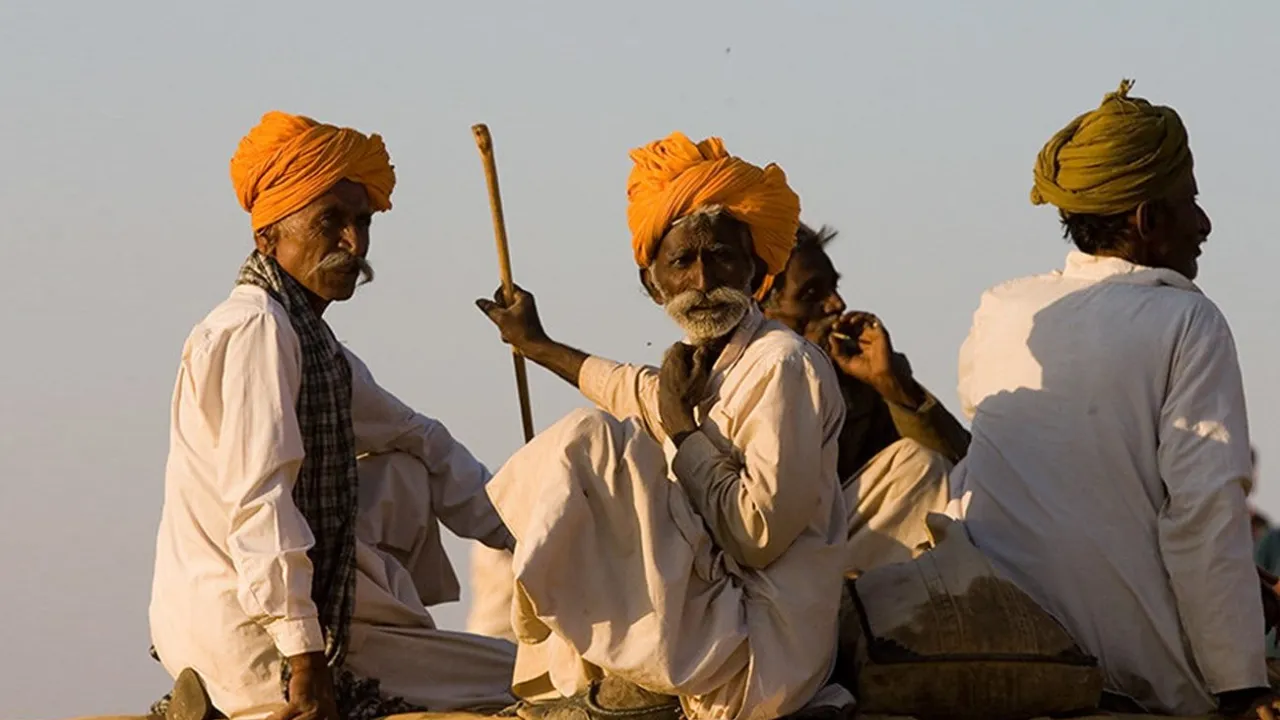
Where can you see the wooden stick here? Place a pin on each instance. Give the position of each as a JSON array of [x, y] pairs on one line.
[[485, 142]]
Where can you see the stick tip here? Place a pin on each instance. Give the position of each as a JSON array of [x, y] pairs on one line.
[[483, 139]]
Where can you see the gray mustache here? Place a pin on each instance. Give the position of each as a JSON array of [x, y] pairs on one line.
[[688, 300], [341, 261]]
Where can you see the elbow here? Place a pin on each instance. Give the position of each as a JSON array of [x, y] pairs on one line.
[[756, 551], [757, 558]]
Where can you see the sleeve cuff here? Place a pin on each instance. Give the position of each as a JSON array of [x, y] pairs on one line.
[[297, 636], [930, 402], [594, 377], [694, 461]]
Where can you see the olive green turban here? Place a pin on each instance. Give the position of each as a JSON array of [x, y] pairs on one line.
[[1110, 160]]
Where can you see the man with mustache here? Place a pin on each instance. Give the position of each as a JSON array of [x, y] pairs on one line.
[[687, 538], [1109, 466], [299, 541], [898, 442]]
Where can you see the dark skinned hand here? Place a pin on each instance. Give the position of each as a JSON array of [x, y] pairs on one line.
[[860, 347], [518, 321], [682, 384], [311, 693]]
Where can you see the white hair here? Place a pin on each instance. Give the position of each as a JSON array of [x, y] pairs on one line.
[[701, 214]]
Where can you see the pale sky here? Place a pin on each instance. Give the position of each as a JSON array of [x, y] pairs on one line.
[[911, 127]]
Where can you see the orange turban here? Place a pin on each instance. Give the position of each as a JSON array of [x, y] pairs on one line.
[[673, 177], [288, 160]]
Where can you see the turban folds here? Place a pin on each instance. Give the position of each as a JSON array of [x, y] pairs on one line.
[[673, 177], [1110, 160], [288, 160]]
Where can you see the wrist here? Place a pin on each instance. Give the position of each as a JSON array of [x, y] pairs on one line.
[[307, 663], [893, 388], [535, 347], [680, 428]]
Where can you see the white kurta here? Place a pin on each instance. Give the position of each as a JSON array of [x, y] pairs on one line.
[[714, 575], [232, 585], [1108, 472]]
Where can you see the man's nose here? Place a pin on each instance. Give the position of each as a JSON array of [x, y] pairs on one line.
[[354, 241], [835, 304], [1206, 225], [702, 279]]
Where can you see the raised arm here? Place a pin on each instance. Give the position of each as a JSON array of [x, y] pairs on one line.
[[522, 329], [1204, 527], [930, 424], [861, 349]]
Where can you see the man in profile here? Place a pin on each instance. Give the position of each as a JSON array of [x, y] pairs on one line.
[[1109, 465]]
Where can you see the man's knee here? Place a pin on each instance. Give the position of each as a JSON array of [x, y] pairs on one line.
[[903, 469], [907, 453], [589, 423]]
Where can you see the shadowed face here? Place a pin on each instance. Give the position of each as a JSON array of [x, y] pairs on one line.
[[323, 245], [1172, 231], [806, 298], [703, 273]]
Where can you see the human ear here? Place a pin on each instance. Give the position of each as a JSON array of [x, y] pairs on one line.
[[1145, 218], [646, 279], [265, 240]]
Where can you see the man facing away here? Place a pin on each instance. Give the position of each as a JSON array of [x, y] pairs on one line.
[[898, 442], [688, 536], [291, 580], [1109, 465]]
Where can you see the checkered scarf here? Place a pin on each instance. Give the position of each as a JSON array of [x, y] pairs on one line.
[[325, 491]]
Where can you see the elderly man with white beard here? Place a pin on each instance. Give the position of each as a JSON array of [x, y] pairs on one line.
[[686, 539]]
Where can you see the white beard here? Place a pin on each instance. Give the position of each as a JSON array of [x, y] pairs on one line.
[[702, 324]]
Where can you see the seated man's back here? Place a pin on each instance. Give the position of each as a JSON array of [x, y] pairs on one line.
[[1110, 453]]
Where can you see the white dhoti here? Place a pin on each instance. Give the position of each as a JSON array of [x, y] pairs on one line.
[[401, 568], [888, 500], [616, 572], [492, 585]]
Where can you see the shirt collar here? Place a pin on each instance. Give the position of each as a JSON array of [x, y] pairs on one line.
[[1098, 268]]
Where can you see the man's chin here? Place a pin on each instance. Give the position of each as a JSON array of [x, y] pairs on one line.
[[342, 291], [703, 330], [819, 332], [1193, 268]]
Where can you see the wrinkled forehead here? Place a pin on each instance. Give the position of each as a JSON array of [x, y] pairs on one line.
[[703, 228], [347, 195]]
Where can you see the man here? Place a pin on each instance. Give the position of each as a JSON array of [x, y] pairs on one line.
[[687, 537], [1110, 458], [898, 442], [283, 584]]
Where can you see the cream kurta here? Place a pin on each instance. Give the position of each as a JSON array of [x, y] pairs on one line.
[[1108, 472], [232, 585], [718, 581]]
